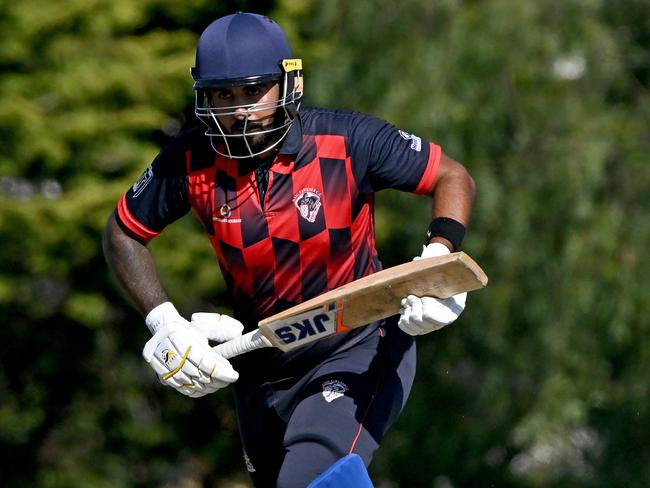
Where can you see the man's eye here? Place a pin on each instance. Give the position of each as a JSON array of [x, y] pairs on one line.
[[220, 95], [254, 90]]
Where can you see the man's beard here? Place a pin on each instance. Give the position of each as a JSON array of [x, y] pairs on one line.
[[253, 143]]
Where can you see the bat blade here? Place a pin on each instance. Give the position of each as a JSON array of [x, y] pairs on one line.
[[361, 302]]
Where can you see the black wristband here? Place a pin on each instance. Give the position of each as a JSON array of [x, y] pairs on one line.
[[450, 229]]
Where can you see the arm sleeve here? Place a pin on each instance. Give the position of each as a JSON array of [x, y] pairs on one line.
[[158, 197], [386, 157]]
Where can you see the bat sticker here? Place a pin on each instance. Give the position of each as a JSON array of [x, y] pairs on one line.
[[360, 302], [309, 326]]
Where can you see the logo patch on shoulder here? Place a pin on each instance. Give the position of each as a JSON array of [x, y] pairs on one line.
[[142, 182], [333, 389], [416, 142], [308, 202]]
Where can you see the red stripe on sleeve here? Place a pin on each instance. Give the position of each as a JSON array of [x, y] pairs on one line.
[[431, 171], [131, 223]]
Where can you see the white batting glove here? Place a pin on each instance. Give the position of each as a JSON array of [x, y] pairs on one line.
[[217, 327], [181, 355], [421, 315]]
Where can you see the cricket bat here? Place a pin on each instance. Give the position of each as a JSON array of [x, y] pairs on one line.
[[360, 302]]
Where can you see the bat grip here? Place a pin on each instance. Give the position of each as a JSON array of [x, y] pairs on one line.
[[248, 342]]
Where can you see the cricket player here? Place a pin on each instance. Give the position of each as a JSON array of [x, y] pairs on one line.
[[285, 194]]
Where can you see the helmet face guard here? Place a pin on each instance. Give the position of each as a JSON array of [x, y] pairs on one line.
[[246, 49], [253, 140]]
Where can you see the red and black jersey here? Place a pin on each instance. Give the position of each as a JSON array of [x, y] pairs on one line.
[[314, 228]]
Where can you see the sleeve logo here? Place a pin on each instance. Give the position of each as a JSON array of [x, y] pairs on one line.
[[308, 202], [142, 182], [416, 142]]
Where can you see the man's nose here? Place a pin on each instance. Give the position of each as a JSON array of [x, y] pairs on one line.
[[241, 110], [243, 105]]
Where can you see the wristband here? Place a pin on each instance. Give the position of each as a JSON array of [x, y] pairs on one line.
[[450, 229]]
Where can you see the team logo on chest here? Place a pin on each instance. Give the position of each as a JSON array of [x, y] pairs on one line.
[[308, 202]]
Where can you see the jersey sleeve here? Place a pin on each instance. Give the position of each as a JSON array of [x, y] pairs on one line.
[[158, 197], [386, 157]]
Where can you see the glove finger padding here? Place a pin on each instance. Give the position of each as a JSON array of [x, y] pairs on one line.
[[217, 327], [417, 312], [422, 315], [202, 361], [443, 311], [411, 318], [184, 360], [166, 359]]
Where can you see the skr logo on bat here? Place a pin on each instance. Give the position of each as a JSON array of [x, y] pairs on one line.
[[306, 327]]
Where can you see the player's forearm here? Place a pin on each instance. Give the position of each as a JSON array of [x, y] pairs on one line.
[[133, 266], [454, 196]]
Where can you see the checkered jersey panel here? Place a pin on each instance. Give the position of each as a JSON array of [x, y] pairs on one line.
[[314, 230], [301, 241]]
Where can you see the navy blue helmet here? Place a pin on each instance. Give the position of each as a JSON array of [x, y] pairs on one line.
[[246, 49]]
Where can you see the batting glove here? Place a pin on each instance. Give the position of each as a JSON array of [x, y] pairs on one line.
[[181, 356], [217, 327], [421, 315]]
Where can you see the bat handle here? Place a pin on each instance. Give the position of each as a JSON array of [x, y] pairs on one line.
[[240, 345]]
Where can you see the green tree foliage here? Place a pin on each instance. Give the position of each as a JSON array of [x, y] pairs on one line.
[[89, 90], [543, 382]]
